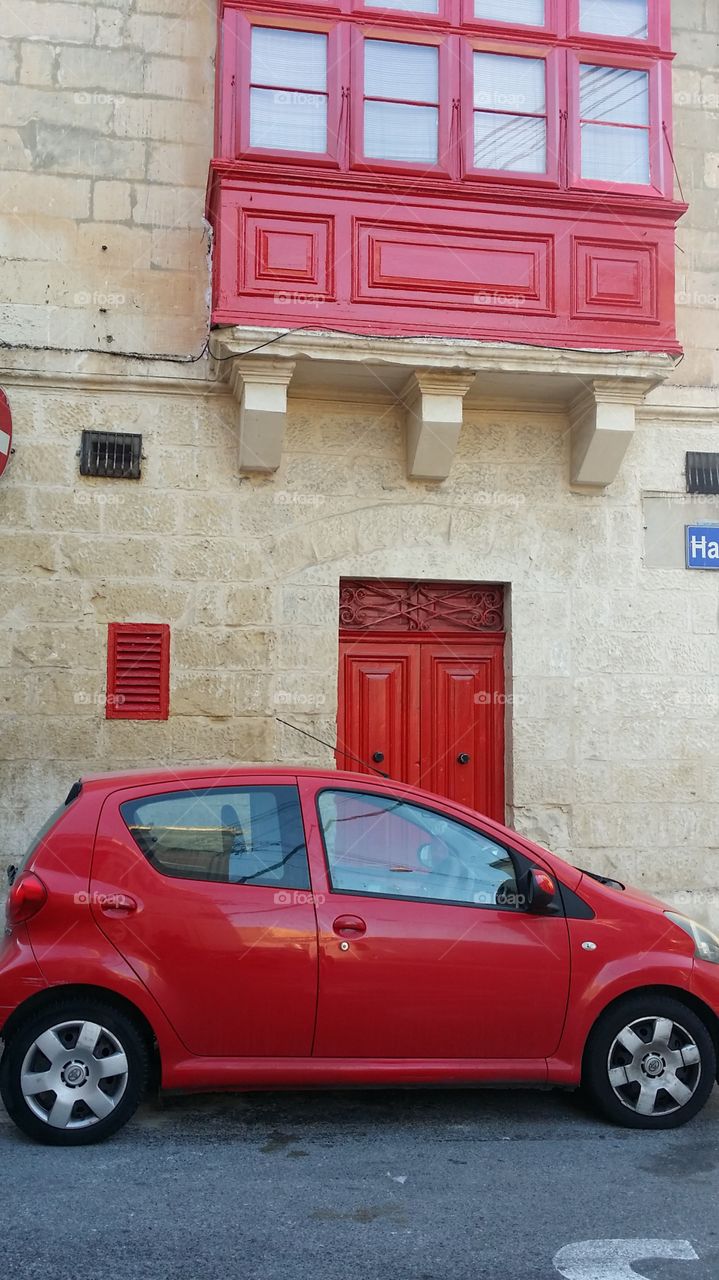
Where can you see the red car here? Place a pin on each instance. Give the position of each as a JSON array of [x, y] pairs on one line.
[[254, 929]]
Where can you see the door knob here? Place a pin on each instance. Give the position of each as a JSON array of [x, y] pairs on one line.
[[463, 758], [378, 757], [353, 925]]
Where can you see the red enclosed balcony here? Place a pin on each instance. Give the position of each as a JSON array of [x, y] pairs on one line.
[[424, 167]]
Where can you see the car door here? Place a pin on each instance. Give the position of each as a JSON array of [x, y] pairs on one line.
[[426, 949], [204, 890]]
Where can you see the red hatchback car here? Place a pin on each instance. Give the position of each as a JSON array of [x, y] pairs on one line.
[[254, 929]]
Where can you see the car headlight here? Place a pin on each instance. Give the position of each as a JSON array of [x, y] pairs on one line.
[[706, 943]]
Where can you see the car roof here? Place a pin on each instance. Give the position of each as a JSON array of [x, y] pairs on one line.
[[167, 777], [187, 773]]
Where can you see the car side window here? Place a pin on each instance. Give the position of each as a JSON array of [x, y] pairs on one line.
[[380, 846], [236, 835]]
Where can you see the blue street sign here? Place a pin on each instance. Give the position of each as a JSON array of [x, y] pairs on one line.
[[702, 546]]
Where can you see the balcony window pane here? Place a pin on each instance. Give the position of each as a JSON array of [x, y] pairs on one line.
[[402, 72], [288, 119], [514, 143], [614, 94], [615, 17], [520, 12], [394, 131], [289, 59], [509, 84], [410, 6], [612, 154]]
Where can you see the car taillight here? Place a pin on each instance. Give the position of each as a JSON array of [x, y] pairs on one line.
[[25, 898]]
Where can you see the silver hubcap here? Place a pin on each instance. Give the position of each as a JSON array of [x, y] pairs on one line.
[[74, 1075], [654, 1066]]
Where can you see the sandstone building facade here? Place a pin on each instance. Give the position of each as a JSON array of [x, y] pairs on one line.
[[385, 451]]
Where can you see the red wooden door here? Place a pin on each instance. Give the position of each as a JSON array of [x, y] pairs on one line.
[[379, 682], [421, 688], [462, 723]]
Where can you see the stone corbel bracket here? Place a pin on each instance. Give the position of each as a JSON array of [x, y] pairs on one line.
[[603, 420], [433, 400], [603, 392], [260, 389]]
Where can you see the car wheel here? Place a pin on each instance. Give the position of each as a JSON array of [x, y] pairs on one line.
[[650, 1063], [74, 1072]]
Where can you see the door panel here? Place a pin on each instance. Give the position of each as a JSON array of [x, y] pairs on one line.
[[423, 974], [378, 701], [232, 962], [462, 742], [429, 980]]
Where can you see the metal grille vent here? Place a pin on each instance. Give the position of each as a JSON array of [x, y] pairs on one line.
[[113, 454], [703, 473], [138, 671]]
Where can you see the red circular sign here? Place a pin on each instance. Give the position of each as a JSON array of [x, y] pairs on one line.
[[5, 431]]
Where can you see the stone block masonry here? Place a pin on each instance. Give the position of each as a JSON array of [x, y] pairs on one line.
[[106, 125]]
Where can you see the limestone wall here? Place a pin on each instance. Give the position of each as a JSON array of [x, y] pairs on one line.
[[106, 127], [696, 150], [614, 675]]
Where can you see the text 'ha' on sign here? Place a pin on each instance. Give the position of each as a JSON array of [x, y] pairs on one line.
[[702, 546]]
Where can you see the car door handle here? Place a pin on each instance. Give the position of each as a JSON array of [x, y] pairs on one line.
[[117, 904], [352, 925]]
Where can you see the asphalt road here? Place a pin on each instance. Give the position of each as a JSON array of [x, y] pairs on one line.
[[408, 1186]]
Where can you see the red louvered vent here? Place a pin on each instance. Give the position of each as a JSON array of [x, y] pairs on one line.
[[138, 671]]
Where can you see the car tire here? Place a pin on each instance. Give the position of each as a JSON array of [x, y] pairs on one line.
[[650, 1063], [71, 1046]]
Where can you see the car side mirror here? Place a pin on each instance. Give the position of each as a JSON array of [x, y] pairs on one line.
[[541, 891]]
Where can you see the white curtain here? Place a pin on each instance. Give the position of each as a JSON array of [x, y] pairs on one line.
[[612, 93], [613, 154], [289, 59], [288, 119], [614, 17], [411, 6], [402, 72], [513, 143], [522, 12], [505, 83], [393, 131]]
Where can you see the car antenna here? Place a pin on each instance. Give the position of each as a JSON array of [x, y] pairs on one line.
[[322, 742]]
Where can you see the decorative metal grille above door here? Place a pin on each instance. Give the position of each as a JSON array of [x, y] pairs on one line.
[[374, 605]]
